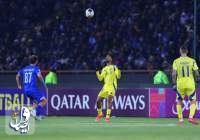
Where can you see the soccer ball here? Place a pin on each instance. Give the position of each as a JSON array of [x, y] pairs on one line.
[[89, 13]]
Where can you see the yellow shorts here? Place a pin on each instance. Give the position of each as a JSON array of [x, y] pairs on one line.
[[186, 88], [107, 91]]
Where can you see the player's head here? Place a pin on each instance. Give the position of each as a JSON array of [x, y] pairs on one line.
[[33, 59], [108, 58], [183, 50]]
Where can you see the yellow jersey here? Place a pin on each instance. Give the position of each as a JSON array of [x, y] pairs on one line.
[[185, 66], [109, 74]]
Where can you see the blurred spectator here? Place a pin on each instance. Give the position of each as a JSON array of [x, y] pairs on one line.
[[51, 77], [160, 77], [58, 31]]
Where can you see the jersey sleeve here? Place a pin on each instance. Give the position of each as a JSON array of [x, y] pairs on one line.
[[101, 75], [37, 71], [195, 67], [174, 65], [117, 72], [20, 72]]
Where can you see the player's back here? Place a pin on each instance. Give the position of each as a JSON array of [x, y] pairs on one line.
[[29, 77], [185, 67]]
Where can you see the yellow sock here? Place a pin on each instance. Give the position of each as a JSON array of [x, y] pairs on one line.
[[99, 111], [179, 111], [192, 110], [108, 113]]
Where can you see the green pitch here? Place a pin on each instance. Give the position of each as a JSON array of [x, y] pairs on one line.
[[84, 128]]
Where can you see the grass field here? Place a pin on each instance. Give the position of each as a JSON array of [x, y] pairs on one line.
[[84, 128]]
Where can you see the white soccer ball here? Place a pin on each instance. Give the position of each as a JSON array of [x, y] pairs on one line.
[[89, 13]]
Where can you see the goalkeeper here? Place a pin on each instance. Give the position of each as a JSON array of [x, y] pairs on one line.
[[109, 74]]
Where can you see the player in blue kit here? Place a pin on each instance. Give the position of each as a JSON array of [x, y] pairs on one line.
[[29, 76]]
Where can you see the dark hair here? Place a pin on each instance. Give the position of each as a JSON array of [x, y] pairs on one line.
[[110, 54], [184, 49], [161, 68], [33, 59]]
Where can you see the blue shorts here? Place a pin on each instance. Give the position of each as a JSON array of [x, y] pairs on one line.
[[35, 95]]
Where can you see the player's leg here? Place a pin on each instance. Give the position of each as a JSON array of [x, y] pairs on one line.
[[192, 105], [33, 111], [192, 112], [30, 95], [192, 97], [99, 105], [179, 99], [111, 94], [179, 111], [109, 107], [41, 102], [40, 106]]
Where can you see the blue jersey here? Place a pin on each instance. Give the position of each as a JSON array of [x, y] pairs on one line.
[[29, 76]]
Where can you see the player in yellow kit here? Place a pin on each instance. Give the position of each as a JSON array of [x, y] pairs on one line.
[[183, 78], [109, 74]]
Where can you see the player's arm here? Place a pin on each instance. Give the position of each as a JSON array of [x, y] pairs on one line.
[[101, 75], [19, 86], [117, 72], [174, 75], [196, 71], [40, 77]]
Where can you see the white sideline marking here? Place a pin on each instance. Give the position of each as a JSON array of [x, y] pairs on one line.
[[132, 124], [94, 124], [113, 124]]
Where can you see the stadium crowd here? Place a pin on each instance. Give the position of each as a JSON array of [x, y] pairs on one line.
[[141, 34]]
